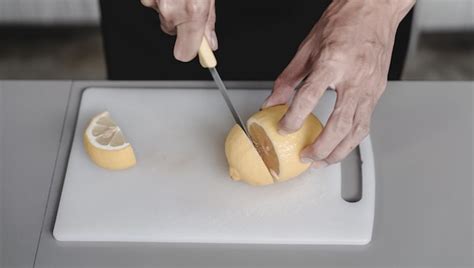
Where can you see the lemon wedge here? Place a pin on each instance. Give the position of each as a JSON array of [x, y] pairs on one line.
[[106, 145]]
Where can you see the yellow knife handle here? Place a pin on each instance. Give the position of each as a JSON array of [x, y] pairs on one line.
[[206, 56]]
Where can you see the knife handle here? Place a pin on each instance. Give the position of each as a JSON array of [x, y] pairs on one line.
[[206, 56]]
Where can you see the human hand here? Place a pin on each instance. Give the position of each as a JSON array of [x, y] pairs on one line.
[[348, 50], [190, 20]]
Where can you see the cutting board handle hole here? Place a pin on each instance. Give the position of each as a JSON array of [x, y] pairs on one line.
[[351, 180]]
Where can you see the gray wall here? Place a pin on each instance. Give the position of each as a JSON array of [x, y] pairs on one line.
[[432, 15], [445, 15], [48, 12]]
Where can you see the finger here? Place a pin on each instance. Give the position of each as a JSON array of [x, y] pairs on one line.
[[305, 100], [287, 81], [167, 26], [340, 152], [189, 39], [210, 32], [338, 127], [359, 131]]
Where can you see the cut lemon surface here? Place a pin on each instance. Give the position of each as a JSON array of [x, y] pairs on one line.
[[244, 161], [106, 144], [269, 154]]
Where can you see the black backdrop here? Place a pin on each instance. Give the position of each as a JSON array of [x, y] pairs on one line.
[[257, 39]]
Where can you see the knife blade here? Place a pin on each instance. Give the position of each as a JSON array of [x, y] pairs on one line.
[[223, 90], [208, 60]]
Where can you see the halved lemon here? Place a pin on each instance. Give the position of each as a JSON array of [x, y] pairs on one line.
[[106, 144], [269, 156], [244, 161]]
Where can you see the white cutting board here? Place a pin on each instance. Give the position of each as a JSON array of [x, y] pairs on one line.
[[180, 190]]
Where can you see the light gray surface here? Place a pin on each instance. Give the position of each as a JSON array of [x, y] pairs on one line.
[[33, 115], [49, 12], [422, 138], [2, 112], [422, 133]]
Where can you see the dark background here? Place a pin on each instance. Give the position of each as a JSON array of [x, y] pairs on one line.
[[61, 39]]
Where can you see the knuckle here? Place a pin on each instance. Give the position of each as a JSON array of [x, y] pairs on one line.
[[361, 58], [314, 91], [307, 93], [366, 67], [148, 3], [321, 155], [350, 98], [334, 158], [340, 153], [343, 121], [166, 9], [374, 46], [303, 102], [288, 127], [281, 82], [330, 57], [286, 122], [166, 29], [318, 154], [344, 125], [332, 50], [293, 120], [362, 130], [331, 43], [368, 94], [367, 101], [197, 8]]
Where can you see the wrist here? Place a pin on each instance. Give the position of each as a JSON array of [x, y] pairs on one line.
[[399, 8], [390, 11], [394, 9]]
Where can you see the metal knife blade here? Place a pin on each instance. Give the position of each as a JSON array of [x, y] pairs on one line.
[[208, 60], [223, 90]]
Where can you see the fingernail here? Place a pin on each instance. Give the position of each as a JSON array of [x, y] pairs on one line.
[[306, 155], [306, 160], [320, 164], [309, 152], [214, 42], [283, 132], [179, 55]]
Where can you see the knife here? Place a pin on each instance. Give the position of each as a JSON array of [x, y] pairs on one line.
[[208, 60]]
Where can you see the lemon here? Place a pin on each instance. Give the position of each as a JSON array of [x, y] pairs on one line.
[[106, 144], [244, 161], [269, 154]]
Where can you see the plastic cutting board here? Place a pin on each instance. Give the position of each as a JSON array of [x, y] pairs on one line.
[[180, 190]]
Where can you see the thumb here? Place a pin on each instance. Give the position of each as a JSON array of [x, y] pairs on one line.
[[188, 40]]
